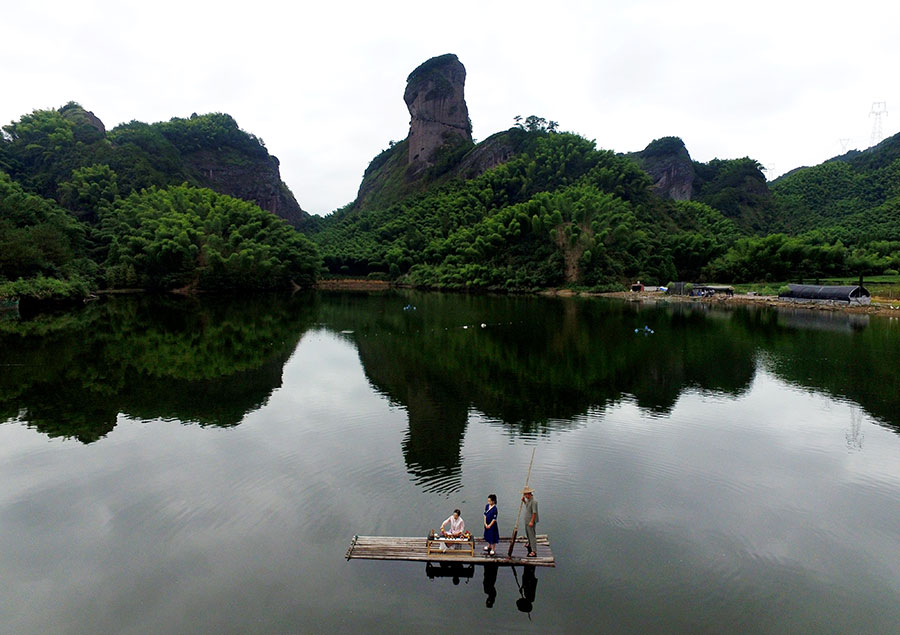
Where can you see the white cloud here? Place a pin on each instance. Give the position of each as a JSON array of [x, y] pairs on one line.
[[322, 84]]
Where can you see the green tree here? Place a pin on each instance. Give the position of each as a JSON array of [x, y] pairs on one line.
[[184, 236]]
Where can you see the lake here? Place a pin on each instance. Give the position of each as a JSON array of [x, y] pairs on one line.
[[201, 465]]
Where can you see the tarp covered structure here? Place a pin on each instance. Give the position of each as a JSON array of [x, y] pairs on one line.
[[852, 294]]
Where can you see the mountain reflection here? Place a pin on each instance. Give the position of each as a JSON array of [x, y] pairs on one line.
[[531, 364], [536, 364], [208, 361]]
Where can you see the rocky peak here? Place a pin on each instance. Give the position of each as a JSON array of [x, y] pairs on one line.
[[668, 163], [88, 126], [437, 108]]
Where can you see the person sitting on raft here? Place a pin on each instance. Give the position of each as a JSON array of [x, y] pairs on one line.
[[456, 525]]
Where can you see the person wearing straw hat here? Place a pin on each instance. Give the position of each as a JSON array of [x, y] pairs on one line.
[[531, 513]]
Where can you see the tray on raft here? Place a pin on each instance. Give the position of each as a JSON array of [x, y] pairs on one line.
[[415, 549]]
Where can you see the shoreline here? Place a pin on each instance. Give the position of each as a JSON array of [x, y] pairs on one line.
[[876, 308], [353, 284], [881, 306]]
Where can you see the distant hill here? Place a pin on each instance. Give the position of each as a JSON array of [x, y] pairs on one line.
[[44, 149], [735, 187], [527, 208], [853, 198], [193, 204], [532, 207], [558, 212]]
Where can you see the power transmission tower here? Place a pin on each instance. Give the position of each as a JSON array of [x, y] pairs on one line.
[[845, 141], [878, 108]]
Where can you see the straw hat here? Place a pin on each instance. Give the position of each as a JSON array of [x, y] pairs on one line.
[[528, 490]]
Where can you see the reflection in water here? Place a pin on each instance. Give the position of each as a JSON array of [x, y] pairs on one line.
[[855, 434], [454, 570], [746, 513], [208, 361], [458, 572], [490, 584], [530, 364], [527, 590], [833, 321]]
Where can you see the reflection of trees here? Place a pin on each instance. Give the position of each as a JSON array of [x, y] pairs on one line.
[[840, 354], [537, 363], [208, 361]]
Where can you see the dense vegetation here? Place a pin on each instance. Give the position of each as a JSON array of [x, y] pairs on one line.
[[82, 209], [852, 198], [838, 218], [208, 360], [559, 212], [737, 188], [189, 236], [562, 212], [42, 247], [42, 149]]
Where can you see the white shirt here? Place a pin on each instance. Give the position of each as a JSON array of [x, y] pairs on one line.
[[457, 525]]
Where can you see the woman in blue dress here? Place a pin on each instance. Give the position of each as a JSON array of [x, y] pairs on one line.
[[491, 532]]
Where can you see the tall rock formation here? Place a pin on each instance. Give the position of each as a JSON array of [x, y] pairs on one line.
[[668, 163], [437, 108]]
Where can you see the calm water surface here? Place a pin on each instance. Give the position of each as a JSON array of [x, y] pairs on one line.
[[176, 465]]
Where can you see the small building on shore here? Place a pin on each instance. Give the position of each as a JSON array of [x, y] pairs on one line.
[[707, 290], [699, 290], [851, 294]]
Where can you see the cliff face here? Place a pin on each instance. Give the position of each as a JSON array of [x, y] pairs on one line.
[[207, 150], [256, 179], [437, 108], [493, 151], [87, 126], [668, 163]]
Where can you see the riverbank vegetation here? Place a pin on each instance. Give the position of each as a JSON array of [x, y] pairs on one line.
[[563, 213], [83, 210]]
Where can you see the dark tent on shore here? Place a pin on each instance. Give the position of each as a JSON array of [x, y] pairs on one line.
[[852, 294]]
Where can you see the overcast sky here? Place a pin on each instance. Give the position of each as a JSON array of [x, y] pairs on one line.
[[322, 83]]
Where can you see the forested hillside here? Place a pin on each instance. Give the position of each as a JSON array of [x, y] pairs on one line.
[[148, 206], [559, 212], [50, 152], [852, 198], [839, 218], [554, 210], [82, 209]]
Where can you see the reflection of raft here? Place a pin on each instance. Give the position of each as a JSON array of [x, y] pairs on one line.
[[453, 570], [409, 548]]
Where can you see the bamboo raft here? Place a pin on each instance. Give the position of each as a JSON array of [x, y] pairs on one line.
[[410, 548]]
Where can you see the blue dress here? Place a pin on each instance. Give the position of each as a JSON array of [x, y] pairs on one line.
[[492, 533]]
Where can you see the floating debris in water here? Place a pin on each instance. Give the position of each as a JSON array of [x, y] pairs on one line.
[[645, 331], [483, 325], [409, 307]]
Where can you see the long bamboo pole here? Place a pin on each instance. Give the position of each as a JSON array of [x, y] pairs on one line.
[[512, 541]]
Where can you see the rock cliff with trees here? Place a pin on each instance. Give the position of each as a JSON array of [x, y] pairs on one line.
[[194, 203]]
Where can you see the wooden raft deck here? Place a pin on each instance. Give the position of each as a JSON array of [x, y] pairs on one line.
[[410, 548]]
